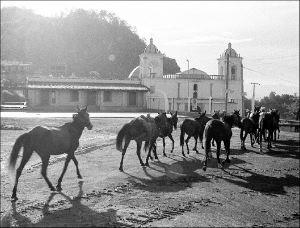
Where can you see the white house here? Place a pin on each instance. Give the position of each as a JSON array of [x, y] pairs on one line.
[[186, 90]]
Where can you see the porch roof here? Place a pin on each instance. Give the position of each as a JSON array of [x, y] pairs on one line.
[[123, 87]]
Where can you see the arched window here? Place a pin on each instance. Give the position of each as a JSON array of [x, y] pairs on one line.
[[233, 73], [195, 87]]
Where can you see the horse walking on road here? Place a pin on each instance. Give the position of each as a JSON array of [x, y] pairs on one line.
[[171, 123], [220, 132], [249, 125], [193, 128], [50, 141], [141, 129], [267, 122]]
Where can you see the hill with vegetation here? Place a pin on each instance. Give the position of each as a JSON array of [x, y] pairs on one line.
[[84, 40]]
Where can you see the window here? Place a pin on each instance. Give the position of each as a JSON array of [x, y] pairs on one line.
[[186, 107], [74, 95], [53, 97], [107, 96], [132, 98], [195, 94], [195, 87], [233, 73]]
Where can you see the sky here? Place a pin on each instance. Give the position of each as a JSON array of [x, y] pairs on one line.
[[264, 33]]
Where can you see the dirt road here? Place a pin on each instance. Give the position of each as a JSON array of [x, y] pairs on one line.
[[256, 189]]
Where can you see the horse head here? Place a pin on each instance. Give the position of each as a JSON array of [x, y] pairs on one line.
[[236, 118], [82, 117], [216, 114]]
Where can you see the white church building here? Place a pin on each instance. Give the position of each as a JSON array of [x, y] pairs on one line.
[[191, 89]]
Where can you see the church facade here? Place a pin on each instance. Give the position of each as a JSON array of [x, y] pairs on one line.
[[192, 89]]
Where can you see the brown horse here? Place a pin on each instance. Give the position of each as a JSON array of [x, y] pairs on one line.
[[141, 129], [50, 141], [220, 132], [249, 125], [193, 128], [171, 123], [267, 122]]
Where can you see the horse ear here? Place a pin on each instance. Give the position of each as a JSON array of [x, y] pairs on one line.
[[85, 109], [78, 109]]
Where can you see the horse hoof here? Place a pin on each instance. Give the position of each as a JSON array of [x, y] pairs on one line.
[[79, 177], [202, 147], [220, 166], [151, 158], [204, 168], [52, 189], [58, 188], [147, 164]]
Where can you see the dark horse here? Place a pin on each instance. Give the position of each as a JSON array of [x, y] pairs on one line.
[[220, 132], [50, 141], [249, 125], [276, 127], [171, 123], [193, 128], [267, 122], [140, 129]]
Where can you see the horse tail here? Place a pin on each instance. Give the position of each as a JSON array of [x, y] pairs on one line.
[[21, 141], [181, 135], [121, 136]]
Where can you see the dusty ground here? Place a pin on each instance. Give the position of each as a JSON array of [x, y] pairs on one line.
[[254, 190]]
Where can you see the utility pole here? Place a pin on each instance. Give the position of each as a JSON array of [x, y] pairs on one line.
[[226, 82], [189, 105], [253, 95]]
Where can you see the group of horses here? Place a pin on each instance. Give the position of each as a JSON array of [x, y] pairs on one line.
[[65, 139]]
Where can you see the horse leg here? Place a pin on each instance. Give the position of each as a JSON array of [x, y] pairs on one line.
[[154, 150], [149, 152], [127, 141], [77, 169], [187, 143], [164, 144], [45, 163], [260, 140], [171, 137], [227, 148], [243, 139], [138, 152], [195, 147], [251, 139], [58, 186], [218, 154], [26, 155], [207, 151]]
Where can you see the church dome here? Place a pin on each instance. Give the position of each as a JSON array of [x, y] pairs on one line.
[[230, 51], [151, 48]]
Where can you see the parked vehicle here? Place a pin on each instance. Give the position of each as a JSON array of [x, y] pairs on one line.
[[14, 105]]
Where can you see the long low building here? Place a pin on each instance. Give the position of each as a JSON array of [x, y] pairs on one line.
[[99, 95]]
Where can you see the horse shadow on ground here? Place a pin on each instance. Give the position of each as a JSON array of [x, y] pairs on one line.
[[78, 215], [262, 183], [285, 149], [177, 176]]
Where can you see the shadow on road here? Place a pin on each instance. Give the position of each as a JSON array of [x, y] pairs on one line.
[[262, 183], [176, 176], [77, 215]]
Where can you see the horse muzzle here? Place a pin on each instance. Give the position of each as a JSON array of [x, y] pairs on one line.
[[89, 126]]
